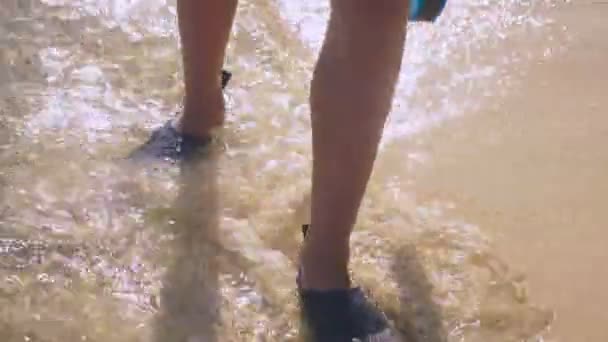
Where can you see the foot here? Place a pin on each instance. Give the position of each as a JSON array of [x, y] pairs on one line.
[[341, 315], [171, 144], [167, 143]]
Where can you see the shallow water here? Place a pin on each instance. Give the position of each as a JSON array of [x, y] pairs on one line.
[[96, 250]]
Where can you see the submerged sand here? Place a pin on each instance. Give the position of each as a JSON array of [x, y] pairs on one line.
[[483, 220]]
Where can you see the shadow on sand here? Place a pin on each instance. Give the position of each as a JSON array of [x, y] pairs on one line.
[[190, 298], [419, 318]]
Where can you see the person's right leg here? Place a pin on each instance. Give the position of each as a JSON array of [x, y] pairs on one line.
[[351, 96]]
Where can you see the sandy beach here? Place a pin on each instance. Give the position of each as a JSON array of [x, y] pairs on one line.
[[533, 170], [485, 219]]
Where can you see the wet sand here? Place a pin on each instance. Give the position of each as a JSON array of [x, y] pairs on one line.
[[208, 253], [532, 169]]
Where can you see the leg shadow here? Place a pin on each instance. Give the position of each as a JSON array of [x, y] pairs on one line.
[[420, 319], [190, 298]]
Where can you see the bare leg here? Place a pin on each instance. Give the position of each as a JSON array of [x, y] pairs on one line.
[[351, 95], [204, 29]]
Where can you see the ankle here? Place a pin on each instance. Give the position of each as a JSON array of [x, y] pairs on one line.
[[324, 269], [198, 119], [197, 127], [323, 280]]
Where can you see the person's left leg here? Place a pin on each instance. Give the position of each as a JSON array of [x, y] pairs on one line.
[[204, 30]]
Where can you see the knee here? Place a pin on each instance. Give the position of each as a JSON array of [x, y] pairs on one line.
[[383, 10]]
